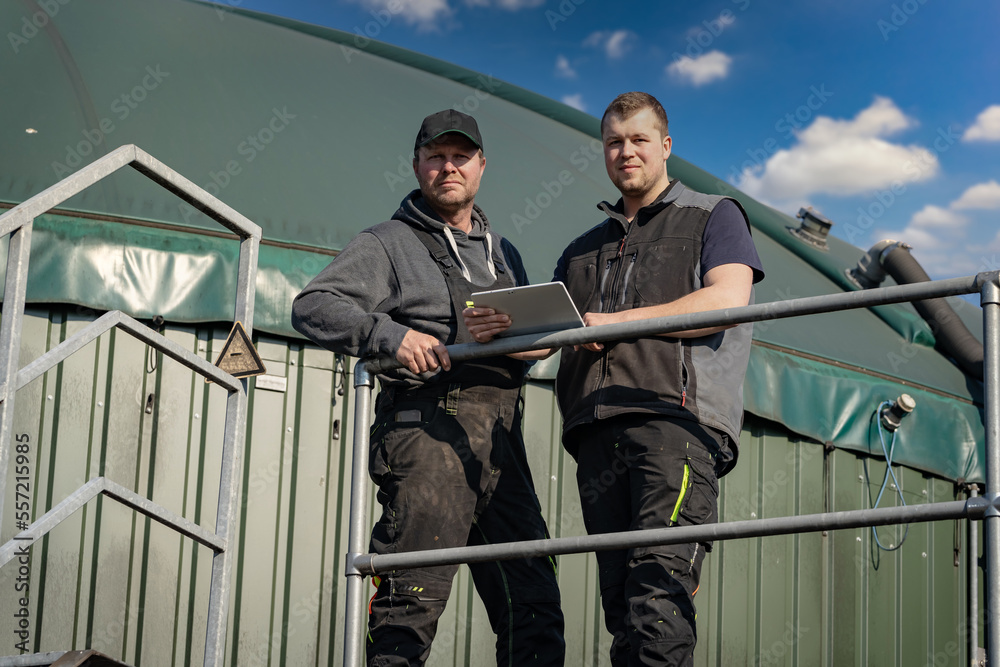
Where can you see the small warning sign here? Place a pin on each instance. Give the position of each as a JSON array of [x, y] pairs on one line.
[[239, 357]]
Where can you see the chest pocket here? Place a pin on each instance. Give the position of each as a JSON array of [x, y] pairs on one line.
[[582, 281], [662, 272]]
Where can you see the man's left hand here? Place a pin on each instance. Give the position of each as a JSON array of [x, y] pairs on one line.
[[596, 320], [485, 323]]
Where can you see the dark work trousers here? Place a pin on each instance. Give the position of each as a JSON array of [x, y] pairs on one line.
[[639, 472], [452, 471]]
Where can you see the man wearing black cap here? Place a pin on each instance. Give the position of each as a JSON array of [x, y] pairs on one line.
[[446, 449]]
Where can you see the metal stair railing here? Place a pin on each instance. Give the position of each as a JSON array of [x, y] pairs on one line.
[[17, 222], [985, 508]]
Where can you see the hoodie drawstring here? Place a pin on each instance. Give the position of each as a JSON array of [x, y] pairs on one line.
[[465, 269]]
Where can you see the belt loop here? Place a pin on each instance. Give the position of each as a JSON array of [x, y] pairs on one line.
[[451, 406]]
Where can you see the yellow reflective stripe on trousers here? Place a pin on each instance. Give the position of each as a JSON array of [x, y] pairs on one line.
[[680, 496]]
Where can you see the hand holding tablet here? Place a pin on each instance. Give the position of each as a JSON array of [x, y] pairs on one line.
[[532, 308]]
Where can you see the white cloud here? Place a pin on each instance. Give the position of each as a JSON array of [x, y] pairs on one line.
[[986, 127], [564, 68], [614, 43], [842, 158], [935, 217], [427, 14], [982, 196], [424, 13], [512, 5], [575, 101], [701, 70]]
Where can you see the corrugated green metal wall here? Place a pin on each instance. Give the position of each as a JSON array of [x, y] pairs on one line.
[[115, 581]]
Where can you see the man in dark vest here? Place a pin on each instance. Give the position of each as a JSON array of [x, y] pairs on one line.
[[446, 449], [652, 422]]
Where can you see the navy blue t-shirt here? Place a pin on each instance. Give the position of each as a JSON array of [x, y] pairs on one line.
[[726, 240]]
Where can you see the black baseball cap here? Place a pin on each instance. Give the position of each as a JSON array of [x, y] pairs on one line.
[[446, 121]]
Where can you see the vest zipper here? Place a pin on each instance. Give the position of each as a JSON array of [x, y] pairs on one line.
[[684, 379], [603, 376], [604, 280], [628, 272]]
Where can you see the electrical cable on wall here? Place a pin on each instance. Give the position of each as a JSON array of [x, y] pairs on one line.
[[888, 416]]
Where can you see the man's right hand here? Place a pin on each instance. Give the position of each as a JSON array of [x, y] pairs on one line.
[[421, 353]]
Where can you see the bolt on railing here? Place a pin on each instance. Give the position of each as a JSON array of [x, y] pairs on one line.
[[985, 508]]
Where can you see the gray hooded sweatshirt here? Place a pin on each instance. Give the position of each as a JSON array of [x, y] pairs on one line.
[[385, 283]]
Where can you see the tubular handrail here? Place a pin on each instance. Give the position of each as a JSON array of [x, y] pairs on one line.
[[985, 508], [710, 532], [17, 223], [810, 305]]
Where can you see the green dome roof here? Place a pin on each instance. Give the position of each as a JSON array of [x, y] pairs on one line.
[[308, 131]]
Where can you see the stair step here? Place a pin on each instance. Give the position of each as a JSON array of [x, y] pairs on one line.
[[83, 658]]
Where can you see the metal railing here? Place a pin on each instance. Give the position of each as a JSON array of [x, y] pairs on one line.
[[17, 222], [985, 508]]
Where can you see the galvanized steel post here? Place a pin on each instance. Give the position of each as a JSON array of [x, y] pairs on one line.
[[990, 299], [10, 340], [973, 584], [354, 628], [225, 527], [227, 515]]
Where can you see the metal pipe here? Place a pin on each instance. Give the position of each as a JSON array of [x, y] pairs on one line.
[[197, 197], [225, 522], [990, 300], [354, 628], [234, 440], [102, 485], [144, 163], [973, 556], [10, 340], [809, 523], [137, 330], [25, 212], [826, 303]]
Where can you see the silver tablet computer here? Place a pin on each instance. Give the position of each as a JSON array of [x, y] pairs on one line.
[[532, 308]]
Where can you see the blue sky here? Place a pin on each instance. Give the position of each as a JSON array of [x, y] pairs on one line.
[[884, 115]]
